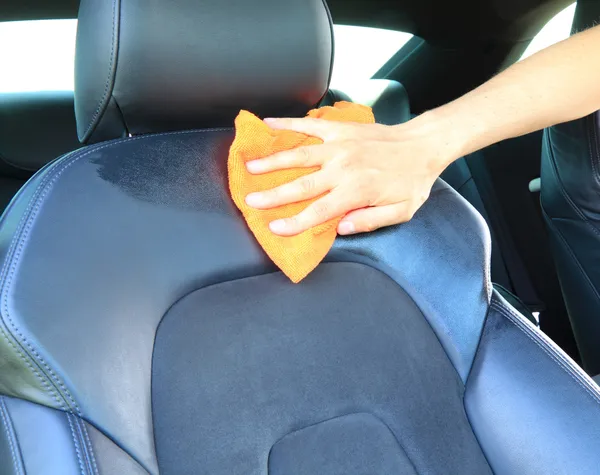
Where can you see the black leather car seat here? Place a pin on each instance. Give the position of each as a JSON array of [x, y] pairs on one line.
[[143, 330], [570, 197]]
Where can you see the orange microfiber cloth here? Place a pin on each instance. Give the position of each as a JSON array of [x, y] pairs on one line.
[[297, 255]]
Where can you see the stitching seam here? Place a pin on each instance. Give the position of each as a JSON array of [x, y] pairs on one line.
[[76, 444], [45, 385], [85, 447], [552, 352], [88, 443], [10, 435], [54, 392]]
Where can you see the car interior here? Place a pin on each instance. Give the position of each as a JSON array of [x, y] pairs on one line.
[[145, 331]]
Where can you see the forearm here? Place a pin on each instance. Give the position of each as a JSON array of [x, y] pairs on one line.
[[558, 84]]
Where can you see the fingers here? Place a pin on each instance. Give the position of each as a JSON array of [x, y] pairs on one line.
[[369, 219], [303, 188], [323, 129], [301, 157], [328, 207]]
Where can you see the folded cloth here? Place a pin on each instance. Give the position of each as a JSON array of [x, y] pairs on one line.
[[298, 255]]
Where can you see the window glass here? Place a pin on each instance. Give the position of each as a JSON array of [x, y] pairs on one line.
[[39, 55], [360, 51], [555, 30]]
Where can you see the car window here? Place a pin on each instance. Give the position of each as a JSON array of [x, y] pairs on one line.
[[39, 55], [360, 51], [557, 29]]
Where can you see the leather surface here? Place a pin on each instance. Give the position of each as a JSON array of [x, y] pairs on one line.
[[11, 458], [532, 408], [388, 99], [50, 441], [570, 197], [35, 128], [47, 442], [110, 458], [186, 64], [118, 232]]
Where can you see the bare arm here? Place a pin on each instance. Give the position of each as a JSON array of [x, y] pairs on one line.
[[376, 175], [555, 85]]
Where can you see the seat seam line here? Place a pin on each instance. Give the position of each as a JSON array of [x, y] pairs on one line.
[[88, 443], [84, 447], [549, 350], [340, 416], [76, 445], [12, 442]]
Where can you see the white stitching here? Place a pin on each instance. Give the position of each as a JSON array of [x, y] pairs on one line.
[[77, 451], [45, 385], [10, 435], [87, 446], [89, 442], [548, 348], [5, 267], [20, 237]]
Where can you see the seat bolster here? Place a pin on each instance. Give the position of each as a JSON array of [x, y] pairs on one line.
[[48, 441], [44, 441], [531, 407]]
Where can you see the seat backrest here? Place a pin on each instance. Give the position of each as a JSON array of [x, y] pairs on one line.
[[570, 198], [143, 330]]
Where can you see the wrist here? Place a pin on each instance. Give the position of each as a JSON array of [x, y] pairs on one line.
[[450, 132], [441, 140]]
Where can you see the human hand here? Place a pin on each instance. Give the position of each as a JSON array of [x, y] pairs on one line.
[[373, 175]]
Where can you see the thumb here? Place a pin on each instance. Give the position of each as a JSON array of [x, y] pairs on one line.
[[322, 129], [369, 219]]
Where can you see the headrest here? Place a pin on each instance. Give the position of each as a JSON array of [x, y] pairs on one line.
[[145, 66]]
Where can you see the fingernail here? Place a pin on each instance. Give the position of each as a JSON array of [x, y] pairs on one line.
[[277, 226], [346, 227], [253, 165], [254, 199]]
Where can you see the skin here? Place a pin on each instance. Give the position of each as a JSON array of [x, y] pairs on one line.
[[376, 175]]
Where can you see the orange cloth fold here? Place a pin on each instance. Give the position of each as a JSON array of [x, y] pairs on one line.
[[298, 255]]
